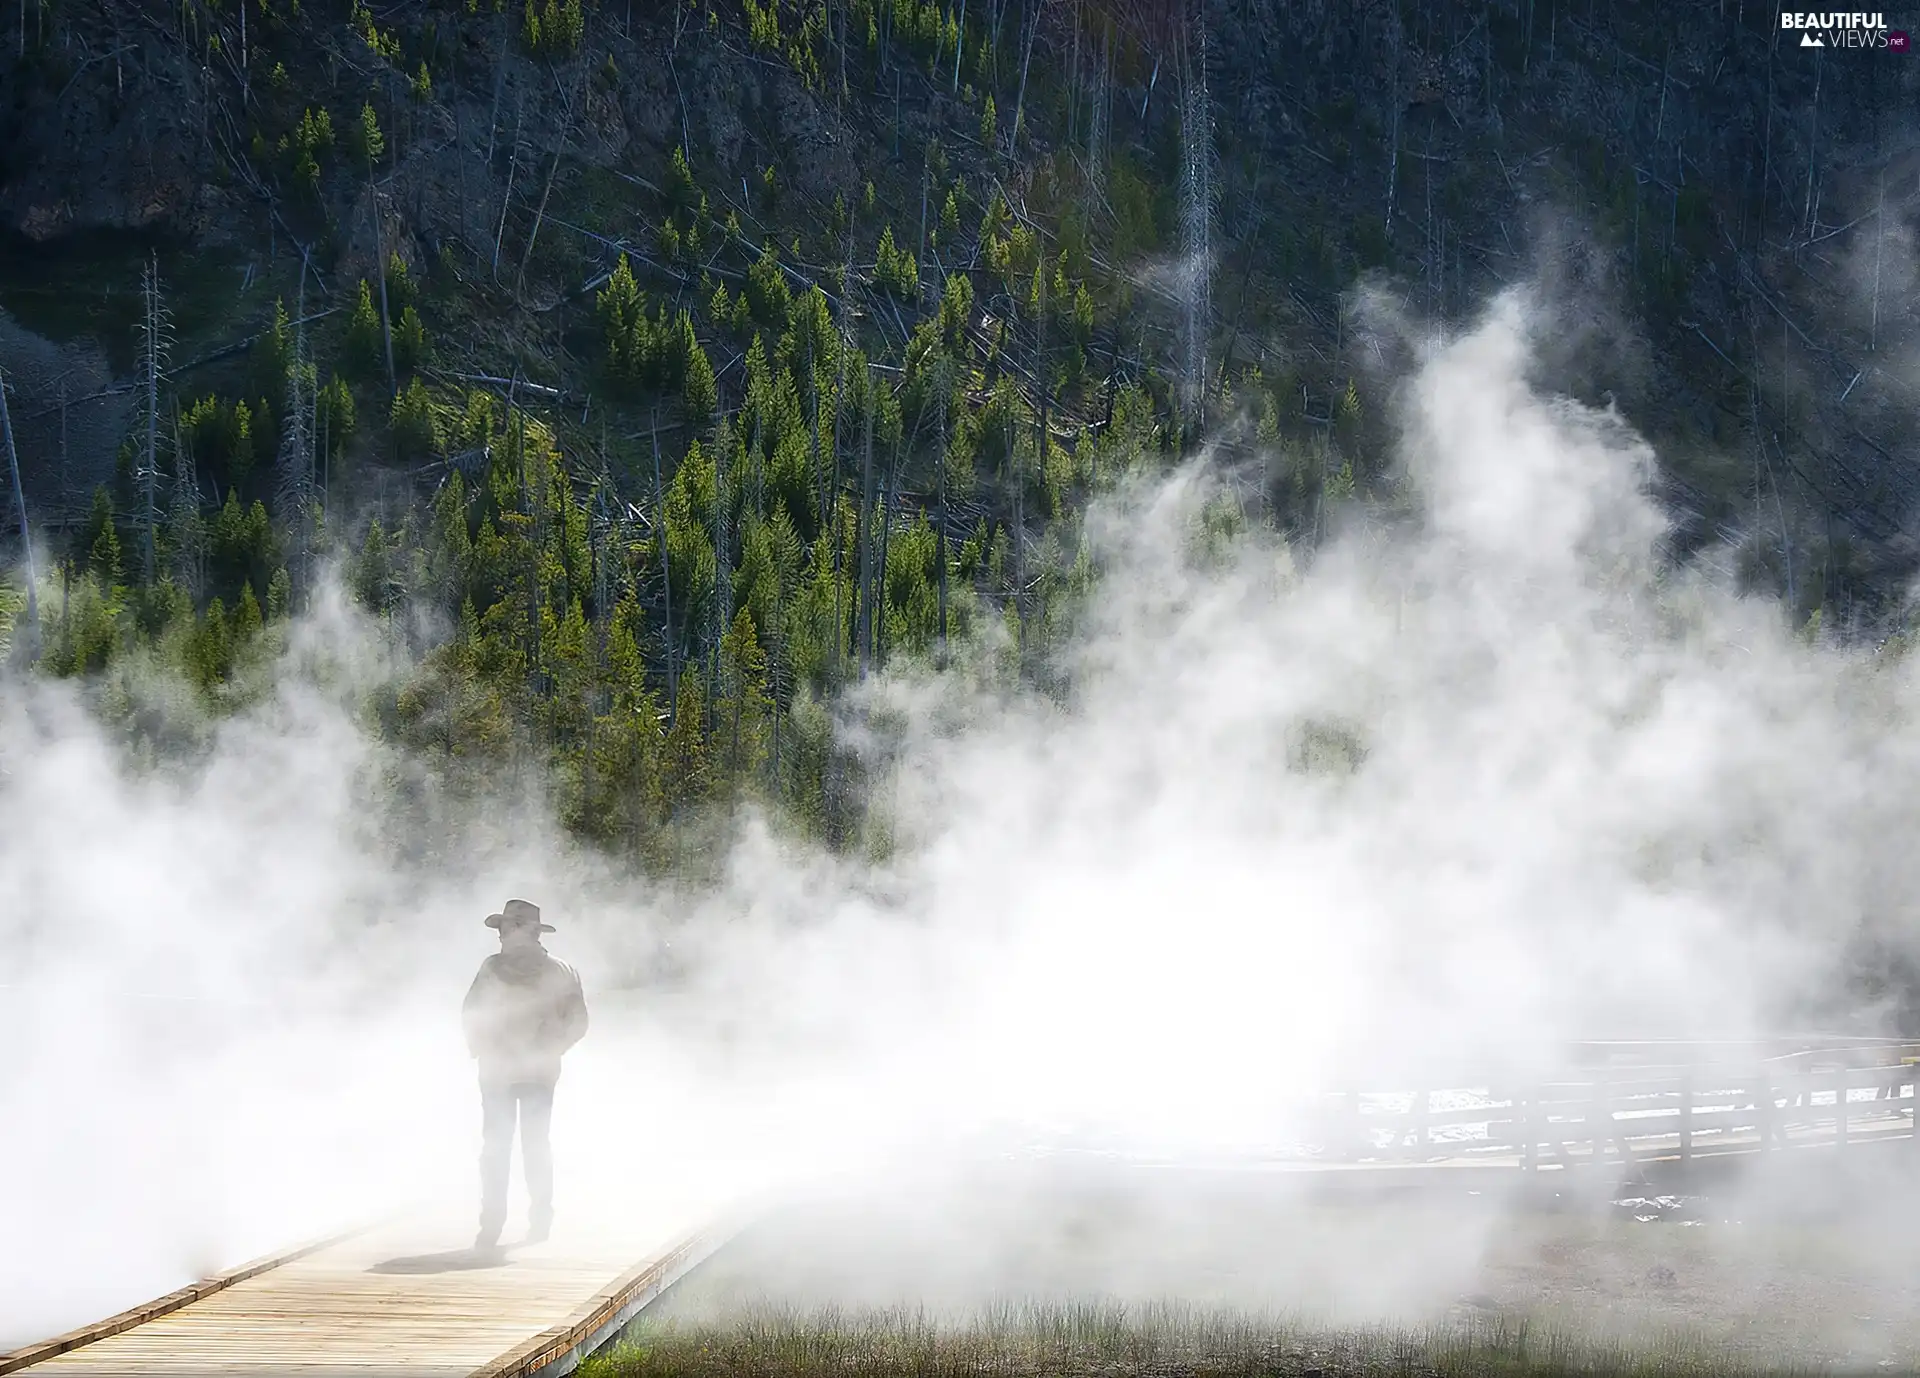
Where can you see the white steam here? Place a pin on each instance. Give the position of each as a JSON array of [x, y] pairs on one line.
[[1439, 797]]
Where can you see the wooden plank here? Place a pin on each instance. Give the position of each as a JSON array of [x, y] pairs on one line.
[[174, 1301], [558, 1349], [388, 1301]]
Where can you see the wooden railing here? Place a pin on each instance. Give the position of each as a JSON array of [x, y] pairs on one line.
[[1713, 1100]]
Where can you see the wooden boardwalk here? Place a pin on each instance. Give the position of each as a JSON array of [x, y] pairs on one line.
[[1628, 1108], [392, 1299], [405, 1298]]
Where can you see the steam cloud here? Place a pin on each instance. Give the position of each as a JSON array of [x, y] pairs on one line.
[[1451, 793]]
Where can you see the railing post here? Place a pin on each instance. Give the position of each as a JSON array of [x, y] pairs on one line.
[[1422, 1108], [1763, 1109], [1840, 1104], [1527, 1145], [1686, 1114]]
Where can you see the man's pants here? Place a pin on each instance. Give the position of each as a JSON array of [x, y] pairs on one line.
[[533, 1101]]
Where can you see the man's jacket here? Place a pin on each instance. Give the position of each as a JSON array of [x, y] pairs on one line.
[[522, 1012]]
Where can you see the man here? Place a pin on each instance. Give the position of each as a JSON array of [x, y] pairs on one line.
[[523, 1011]]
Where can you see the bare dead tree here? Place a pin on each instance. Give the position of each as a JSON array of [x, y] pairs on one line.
[[1196, 205], [830, 519], [380, 252], [1393, 136], [186, 526], [862, 538], [888, 487], [666, 574], [1075, 86], [1040, 369], [1813, 139], [499, 84], [958, 45], [940, 534], [155, 337], [506, 200], [20, 510], [926, 185], [574, 103], [296, 451], [1026, 62], [1879, 241], [722, 572], [1099, 111]]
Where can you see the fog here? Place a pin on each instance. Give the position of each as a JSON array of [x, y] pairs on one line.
[[1580, 796]]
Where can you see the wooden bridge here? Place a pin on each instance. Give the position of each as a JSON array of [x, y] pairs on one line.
[[397, 1299]]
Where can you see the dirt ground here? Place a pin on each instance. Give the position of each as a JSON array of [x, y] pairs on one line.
[[1842, 1294]]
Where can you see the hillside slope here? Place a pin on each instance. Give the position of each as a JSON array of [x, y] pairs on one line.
[[687, 359]]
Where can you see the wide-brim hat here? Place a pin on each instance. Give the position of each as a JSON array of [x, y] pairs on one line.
[[517, 914]]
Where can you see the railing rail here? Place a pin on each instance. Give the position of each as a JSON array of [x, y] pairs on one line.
[[1756, 1097]]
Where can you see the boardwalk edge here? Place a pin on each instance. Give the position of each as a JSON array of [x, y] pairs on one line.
[[186, 1296], [558, 1350]]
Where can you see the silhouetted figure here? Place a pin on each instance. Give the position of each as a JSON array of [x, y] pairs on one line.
[[524, 1009]]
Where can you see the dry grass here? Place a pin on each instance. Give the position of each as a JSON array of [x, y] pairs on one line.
[[1075, 1273], [1066, 1341]]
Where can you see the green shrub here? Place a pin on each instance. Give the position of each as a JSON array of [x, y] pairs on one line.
[[553, 30], [367, 144], [334, 414], [310, 139], [409, 341], [416, 430], [895, 269], [365, 347], [768, 298]]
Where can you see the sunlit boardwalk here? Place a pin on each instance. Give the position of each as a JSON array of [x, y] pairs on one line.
[[404, 1297], [409, 1297]]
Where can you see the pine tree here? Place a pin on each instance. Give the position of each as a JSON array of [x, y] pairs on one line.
[[570, 665], [279, 595], [373, 572], [416, 430], [689, 521], [369, 145], [684, 764], [743, 709], [622, 311], [103, 554], [450, 549], [409, 341], [364, 346], [335, 418], [701, 391], [767, 295], [210, 654], [272, 355], [239, 442], [246, 621]]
